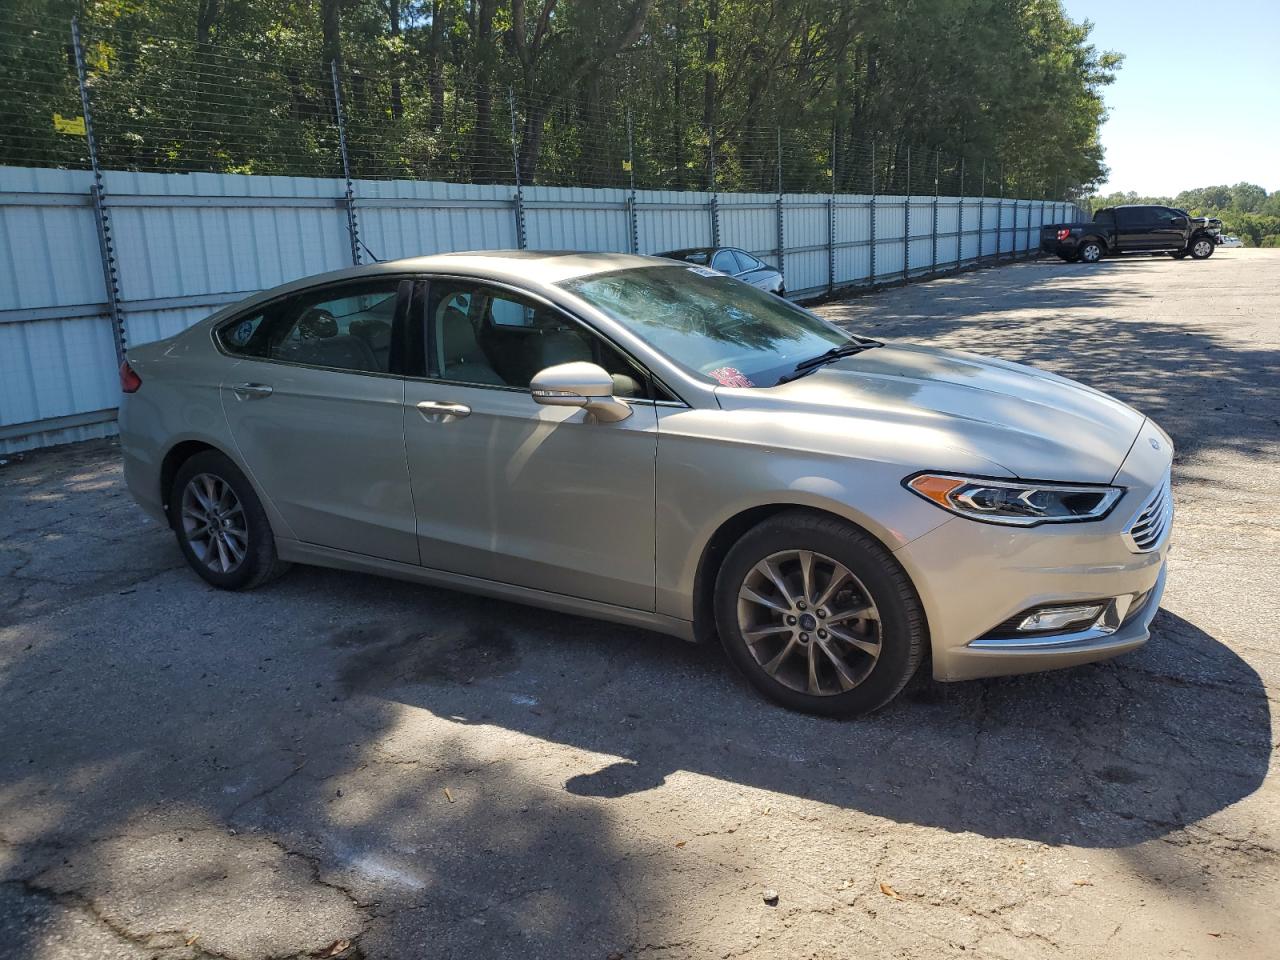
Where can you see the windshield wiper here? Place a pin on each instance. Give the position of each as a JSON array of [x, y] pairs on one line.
[[829, 356]]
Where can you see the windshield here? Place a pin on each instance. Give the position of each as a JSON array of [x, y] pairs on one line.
[[711, 325]]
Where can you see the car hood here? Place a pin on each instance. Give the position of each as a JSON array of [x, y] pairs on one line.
[[1036, 425]]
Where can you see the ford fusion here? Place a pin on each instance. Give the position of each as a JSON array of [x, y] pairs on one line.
[[659, 445]]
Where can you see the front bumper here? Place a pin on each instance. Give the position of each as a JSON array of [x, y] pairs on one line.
[[972, 577]]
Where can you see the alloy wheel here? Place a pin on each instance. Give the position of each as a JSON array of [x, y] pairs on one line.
[[809, 622], [1202, 248], [1091, 253], [213, 523]]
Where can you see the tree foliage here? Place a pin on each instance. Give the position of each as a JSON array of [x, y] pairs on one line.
[[434, 88]]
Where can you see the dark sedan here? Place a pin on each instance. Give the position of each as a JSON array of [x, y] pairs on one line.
[[734, 262]]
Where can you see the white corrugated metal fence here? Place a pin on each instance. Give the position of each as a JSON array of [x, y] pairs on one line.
[[185, 244]]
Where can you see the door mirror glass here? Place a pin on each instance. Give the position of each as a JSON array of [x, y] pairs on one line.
[[579, 384]]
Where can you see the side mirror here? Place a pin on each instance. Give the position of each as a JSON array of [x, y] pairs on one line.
[[579, 384], [1179, 221]]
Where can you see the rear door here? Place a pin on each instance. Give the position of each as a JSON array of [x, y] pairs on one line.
[[315, 409], [507, 489]]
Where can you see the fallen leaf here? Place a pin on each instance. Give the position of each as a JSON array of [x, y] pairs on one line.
[[335, 948], [888, 891], [1215, 934], [447, 795], [681, 843], [192, 940], [1083, 883]]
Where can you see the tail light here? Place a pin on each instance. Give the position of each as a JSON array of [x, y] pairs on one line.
[[1063, 234], [129, 379]]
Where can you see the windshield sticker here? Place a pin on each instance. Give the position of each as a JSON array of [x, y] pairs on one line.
[[705, 271], [731, 377]]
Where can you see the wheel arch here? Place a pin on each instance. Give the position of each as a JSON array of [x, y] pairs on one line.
[[728, 533], [174, 458]]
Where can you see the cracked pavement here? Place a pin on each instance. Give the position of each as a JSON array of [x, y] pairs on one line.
[[341, 765]]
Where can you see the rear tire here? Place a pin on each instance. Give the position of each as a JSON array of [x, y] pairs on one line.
[[1091, 251], [220, 524], [852, 624], [1202, 248]]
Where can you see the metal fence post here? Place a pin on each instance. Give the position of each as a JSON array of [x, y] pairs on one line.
[[872, 279], [906, 223], [1000, 216], [937, 177], [982, 214], [831, 219], [518, 199], [782, 268], [960, 219], [713, 207], [106, 246], [353, 225], [631, 200]]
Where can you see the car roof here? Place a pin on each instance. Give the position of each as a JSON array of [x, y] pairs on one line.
[[513, 266]]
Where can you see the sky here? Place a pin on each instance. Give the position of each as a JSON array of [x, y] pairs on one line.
[[1197, 100]]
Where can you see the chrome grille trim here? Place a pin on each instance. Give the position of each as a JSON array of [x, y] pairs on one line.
[[1146, 531]]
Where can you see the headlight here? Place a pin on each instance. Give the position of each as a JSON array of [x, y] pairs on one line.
[[1013, 502]]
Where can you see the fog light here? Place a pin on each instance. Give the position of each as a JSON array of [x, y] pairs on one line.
[[1055, 618]]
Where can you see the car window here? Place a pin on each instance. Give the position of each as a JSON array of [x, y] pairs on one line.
[[1166, 216], [245, 336], [690, 256], [725, 262], [1130, 217], [344, 328], [715, 327], [484, 336], [746, 261]]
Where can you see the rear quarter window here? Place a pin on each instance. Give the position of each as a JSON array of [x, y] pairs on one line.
[[244, 337]]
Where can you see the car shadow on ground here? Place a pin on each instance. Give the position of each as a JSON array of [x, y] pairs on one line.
[[1107, 755]]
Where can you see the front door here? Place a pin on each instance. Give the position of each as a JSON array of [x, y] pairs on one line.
[[513, 491], [1139, 228], [316, 415]]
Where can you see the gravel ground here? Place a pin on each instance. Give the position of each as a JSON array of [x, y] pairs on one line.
[[339, 765]]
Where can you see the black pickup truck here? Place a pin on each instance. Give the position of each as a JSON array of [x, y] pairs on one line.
[[1133, 229]]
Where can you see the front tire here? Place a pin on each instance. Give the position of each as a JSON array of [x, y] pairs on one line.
[[221, 525], [1202, 248], [1091, 251], [818, 616]]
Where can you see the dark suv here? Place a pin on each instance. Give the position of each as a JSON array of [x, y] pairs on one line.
[[1137, 228]]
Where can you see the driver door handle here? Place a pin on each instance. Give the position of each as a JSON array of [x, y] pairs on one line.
[[251, 391], [437, 411]]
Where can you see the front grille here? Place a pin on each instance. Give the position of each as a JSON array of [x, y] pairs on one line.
[[1148, 528]]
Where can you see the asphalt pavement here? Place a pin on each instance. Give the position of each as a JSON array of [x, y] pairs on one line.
[[339, 765]]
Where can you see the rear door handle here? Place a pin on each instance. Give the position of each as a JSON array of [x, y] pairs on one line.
[[251, 391], [437, 411]]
